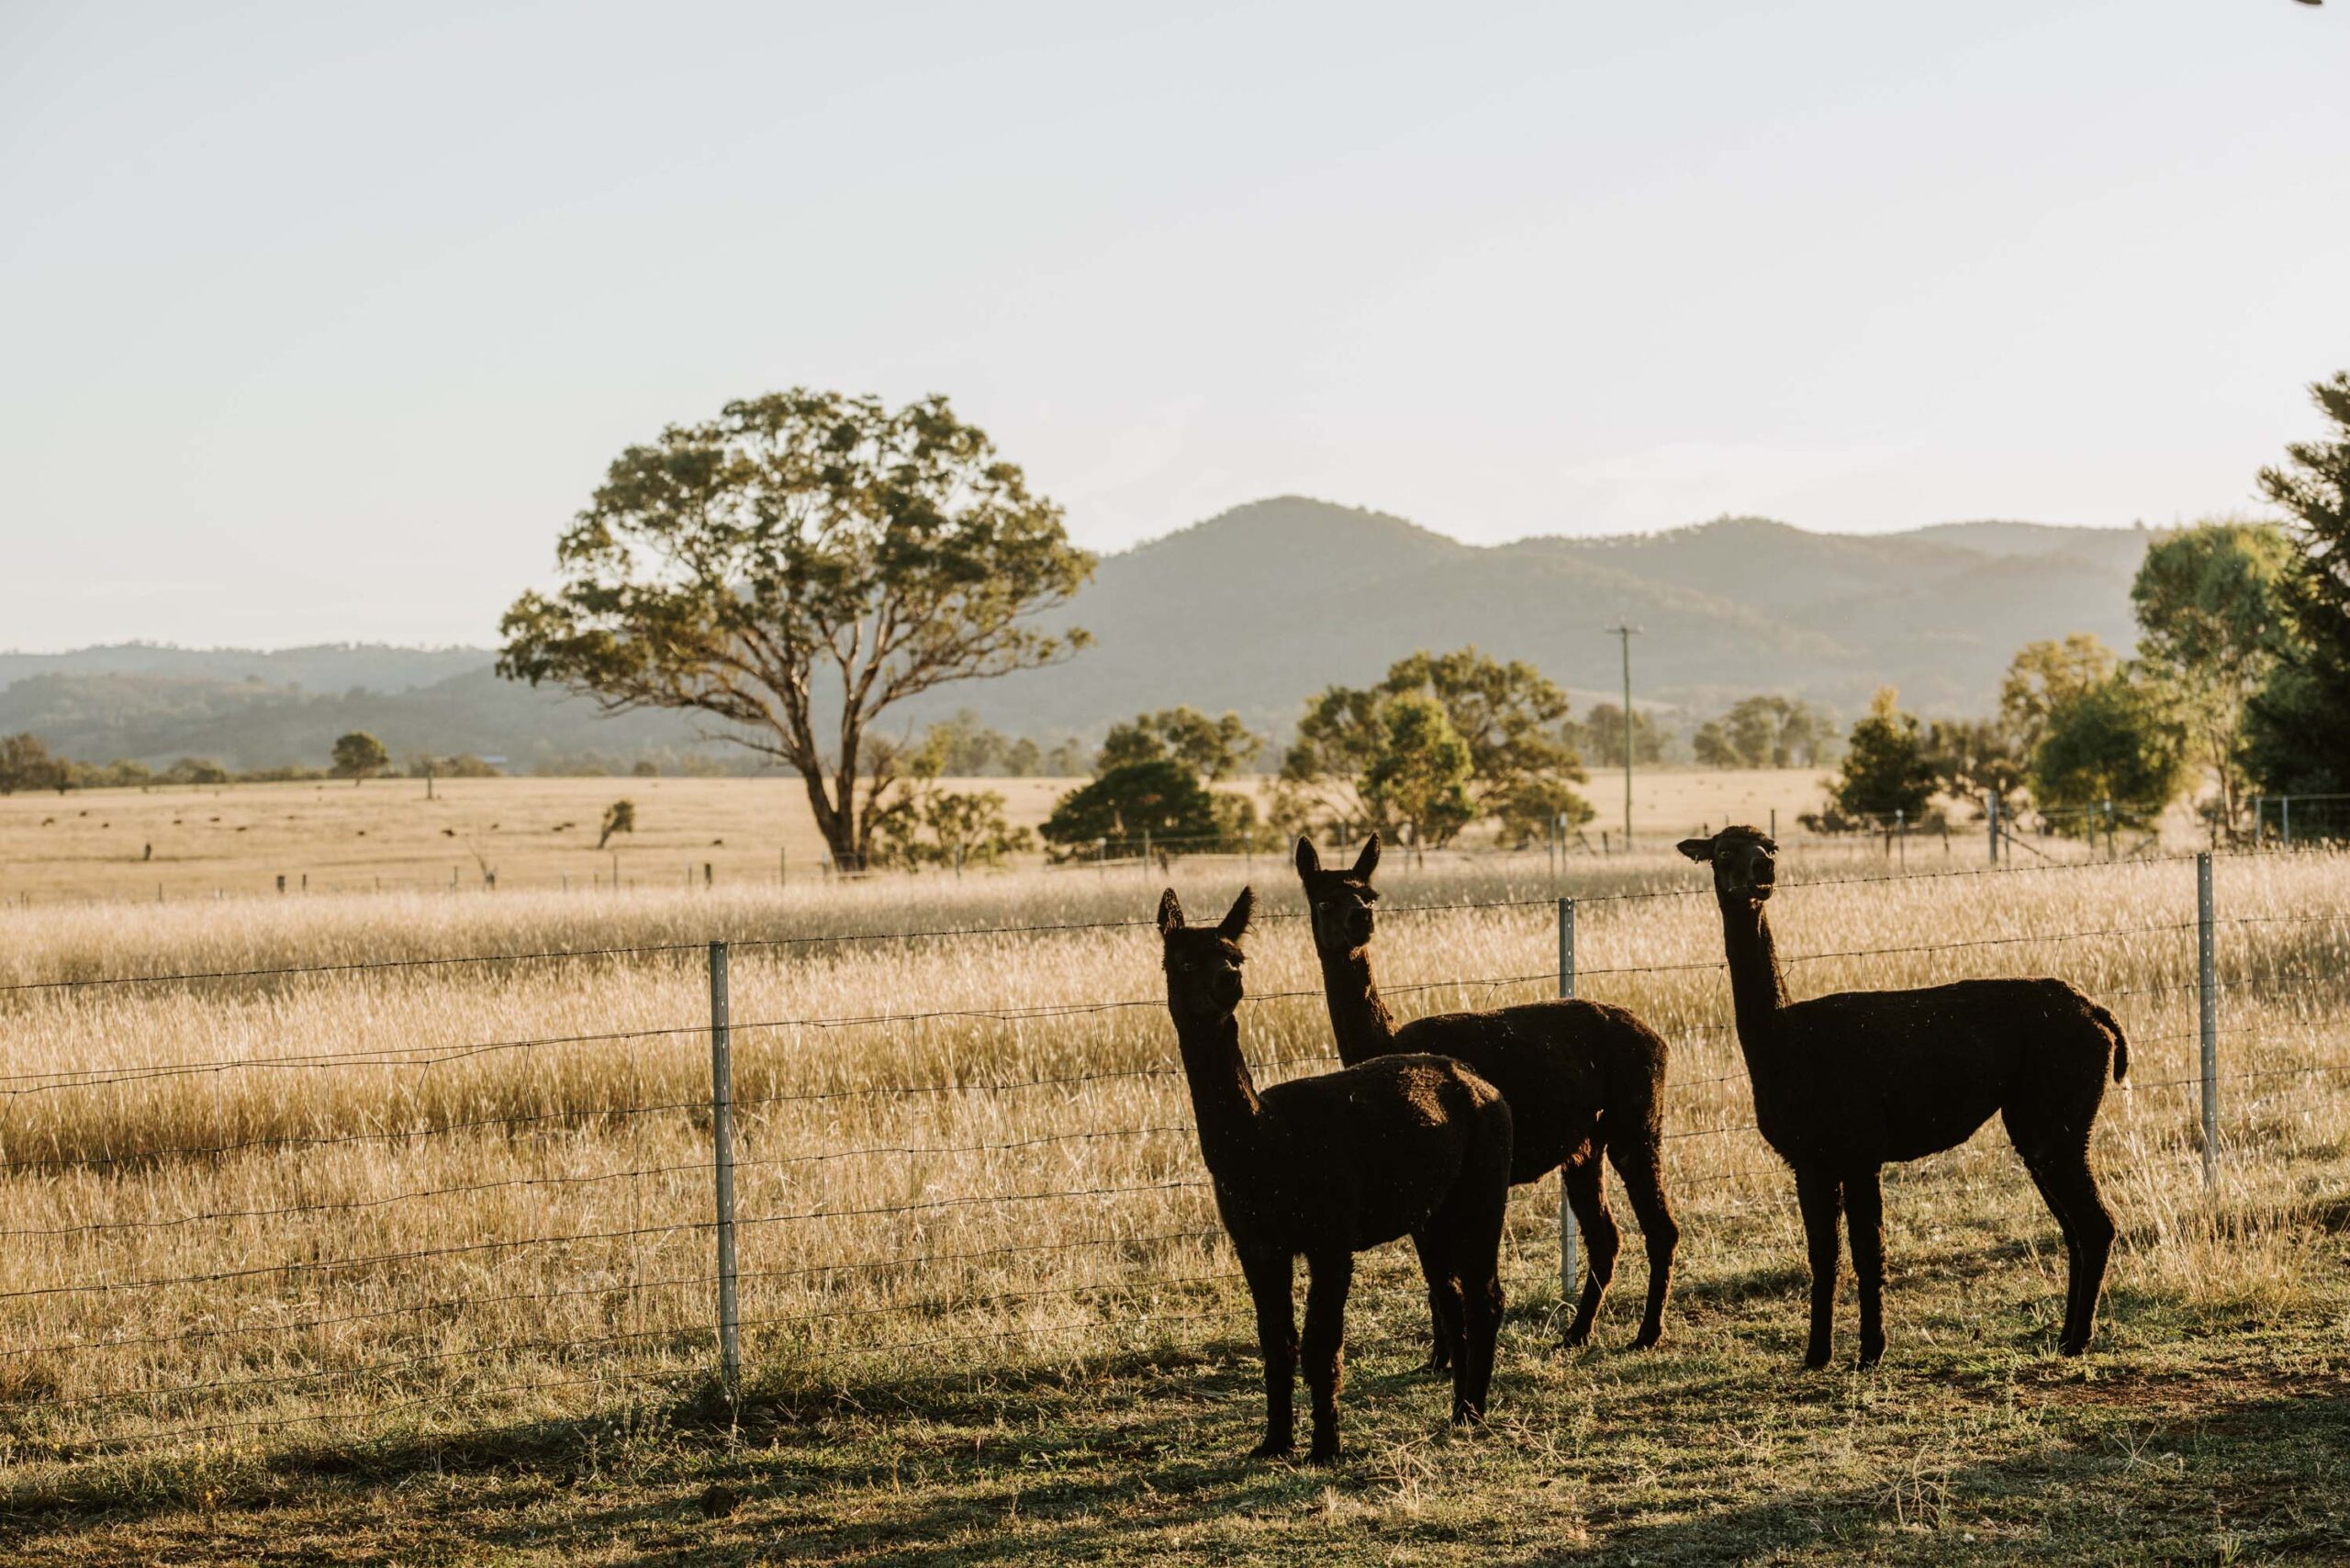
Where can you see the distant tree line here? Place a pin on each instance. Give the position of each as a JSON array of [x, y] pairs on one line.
[[27, 764], [1764, 732], [2241, 680]]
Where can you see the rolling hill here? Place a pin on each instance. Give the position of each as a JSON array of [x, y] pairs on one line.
[[1251, 611]]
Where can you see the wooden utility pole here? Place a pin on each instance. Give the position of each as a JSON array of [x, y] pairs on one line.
[[1625, 635]]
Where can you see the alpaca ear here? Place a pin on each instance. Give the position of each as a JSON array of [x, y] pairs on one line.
[[1309, 859], [1236, 920], [1698, 850], [1368, 861], [1171, 912]]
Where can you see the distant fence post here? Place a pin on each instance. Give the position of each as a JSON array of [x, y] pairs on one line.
[[2206, 989], [1567, 1259], [722, 1137], [1992, 812]]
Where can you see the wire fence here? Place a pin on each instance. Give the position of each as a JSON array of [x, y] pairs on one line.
[[785, 1196]]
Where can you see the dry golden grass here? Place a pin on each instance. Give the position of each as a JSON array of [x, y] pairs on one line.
[[247, 1212]]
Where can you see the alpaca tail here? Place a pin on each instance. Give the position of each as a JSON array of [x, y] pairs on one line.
[[2121, 1045]]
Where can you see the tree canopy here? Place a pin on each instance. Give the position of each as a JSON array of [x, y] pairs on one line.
[[1374, 758], [2299, 741], [1762, 732], [1214, 749], [1887, 770], [924, 823], [26, 763], [1975, 760], [1419, 779], [2114, 741], [794, 567], [2046, 675], [359, 755], [2211, 628], [1600, 736], [1163, 800]]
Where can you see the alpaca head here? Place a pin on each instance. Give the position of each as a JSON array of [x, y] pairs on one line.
[[1204, 961], [1340, 902], [1745, 863]]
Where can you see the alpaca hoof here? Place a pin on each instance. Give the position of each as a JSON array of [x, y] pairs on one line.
[[1324, 1453], [1577, 1336], [1871, 1353], [1436, 1362], [1273, 1448], [1644, 1341], [1468, 1415], [2073, 1347], [1815, 1359]]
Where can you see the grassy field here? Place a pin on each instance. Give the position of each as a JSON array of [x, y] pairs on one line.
[[413, 1264], [236, 840]]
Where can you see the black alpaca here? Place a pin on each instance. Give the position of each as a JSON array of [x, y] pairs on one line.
[[1843, 1084], [1325, 1167], [1583, 1081]]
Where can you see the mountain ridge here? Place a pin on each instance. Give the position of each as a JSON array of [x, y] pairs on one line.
[[1253, 609]]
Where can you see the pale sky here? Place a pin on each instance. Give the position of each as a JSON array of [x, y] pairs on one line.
[[317, 323]]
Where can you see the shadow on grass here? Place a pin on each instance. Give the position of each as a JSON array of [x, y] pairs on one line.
[[1061, 1449], [2248, 1476], [1129, 1454]]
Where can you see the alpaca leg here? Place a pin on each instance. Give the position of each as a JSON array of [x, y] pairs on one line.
[[2070, 1187], [2095, 1223], [1587, 1195], [1641, 1165], [1821, 1198], [2054, 1146], [1481, 1281], [1268, 1277], [1329, 1277], [1864, 1216], [2053, 1196], [1444, 1307]]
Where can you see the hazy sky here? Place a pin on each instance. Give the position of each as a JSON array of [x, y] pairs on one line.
[[316, 322]]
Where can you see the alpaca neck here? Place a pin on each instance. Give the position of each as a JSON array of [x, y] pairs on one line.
[[1358, 1017], [1224, 1098], [1756, 990]]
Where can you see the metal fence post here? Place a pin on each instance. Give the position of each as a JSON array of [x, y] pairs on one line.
[[722, 1136], [2207, 990], [1567, 1259]]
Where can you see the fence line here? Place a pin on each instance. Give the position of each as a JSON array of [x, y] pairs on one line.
[[438, 1056], [954, 933], [681, 1336]]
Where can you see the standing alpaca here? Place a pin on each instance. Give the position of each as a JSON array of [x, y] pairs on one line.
[[1844, 1083], [1581, 1079], [1329, 1166]]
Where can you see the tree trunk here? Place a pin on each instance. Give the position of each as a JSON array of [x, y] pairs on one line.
[[837, 825]]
